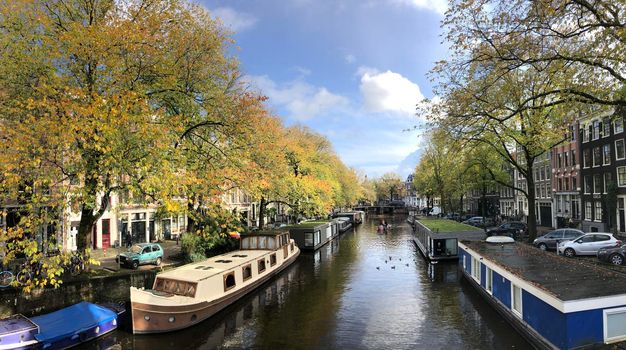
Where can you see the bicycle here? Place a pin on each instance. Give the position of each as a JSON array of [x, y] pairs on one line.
[[7, 278]]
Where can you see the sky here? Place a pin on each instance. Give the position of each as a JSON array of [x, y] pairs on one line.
[[352, 70]]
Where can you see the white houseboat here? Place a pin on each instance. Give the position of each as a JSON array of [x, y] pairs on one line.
[[189, 294]]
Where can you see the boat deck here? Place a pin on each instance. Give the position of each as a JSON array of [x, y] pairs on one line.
[[565, 278], [213, 266]]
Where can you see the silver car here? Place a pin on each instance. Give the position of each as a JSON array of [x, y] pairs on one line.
[[588, 244], [551, 239]]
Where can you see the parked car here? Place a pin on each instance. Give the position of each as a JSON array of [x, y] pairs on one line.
[[512, 229], [551, 239], [141, 254], [453, 216], [479, 221], [588, 244], [615, 256], [465, 217]]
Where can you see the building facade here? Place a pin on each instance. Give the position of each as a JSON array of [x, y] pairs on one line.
[[566, 184]]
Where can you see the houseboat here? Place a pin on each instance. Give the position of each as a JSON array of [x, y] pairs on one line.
[[60, 329], [442, 245], [354, 216], [189, 294], [343, 224], [312, 235], [551, 300]]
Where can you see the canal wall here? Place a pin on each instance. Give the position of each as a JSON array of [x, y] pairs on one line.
[[114, 288]]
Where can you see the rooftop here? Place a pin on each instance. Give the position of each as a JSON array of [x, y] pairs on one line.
[[308, 224], [445, 225], [565, 278], [216, 265]]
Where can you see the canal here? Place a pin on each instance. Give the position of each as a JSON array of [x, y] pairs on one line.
[[361, 291]]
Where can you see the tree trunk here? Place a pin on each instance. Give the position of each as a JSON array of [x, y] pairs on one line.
[[191, 223], [262, 213], [87, 219], [532, 217]]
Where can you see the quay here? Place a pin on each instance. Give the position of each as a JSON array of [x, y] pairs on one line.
[[553, 301]]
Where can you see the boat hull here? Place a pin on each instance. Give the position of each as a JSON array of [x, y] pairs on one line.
[[148, 318]]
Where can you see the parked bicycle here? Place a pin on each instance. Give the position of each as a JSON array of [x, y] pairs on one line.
[[21, 275]]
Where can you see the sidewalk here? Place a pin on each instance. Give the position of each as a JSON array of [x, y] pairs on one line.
[[171, 256]]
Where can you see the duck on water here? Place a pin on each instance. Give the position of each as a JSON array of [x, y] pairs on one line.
[[189, 294]]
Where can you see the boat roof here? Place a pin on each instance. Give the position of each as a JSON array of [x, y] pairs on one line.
[[264, 233], [308, 224], [71, 320], [204, 269], [15, 323], [565, 278]]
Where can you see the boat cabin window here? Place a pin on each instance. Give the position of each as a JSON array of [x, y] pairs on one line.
[[271, 243], [273, 259], [182, 288], [229, 281], [245, 243], [308, 239], [247, 272], [261, 265], [262, 242]]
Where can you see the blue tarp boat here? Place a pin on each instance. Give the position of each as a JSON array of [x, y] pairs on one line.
[[57, 330]]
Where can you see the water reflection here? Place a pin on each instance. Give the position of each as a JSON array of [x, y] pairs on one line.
[[360, 291]]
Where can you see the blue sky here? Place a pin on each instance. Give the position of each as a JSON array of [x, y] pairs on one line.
[[351, 70]]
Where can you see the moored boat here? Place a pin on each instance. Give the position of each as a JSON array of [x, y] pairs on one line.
[[61, 329], [194, 292]]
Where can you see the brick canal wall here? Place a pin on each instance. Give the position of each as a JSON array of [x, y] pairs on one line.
[[114, 288]]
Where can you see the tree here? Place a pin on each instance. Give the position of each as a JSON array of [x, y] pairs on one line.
[[388, 185], [111, 96], [584, 38]]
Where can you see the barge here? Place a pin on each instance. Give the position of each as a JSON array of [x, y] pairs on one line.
[[356, 217], [440, 244], [343, 224], [553, 301], [187, 295]]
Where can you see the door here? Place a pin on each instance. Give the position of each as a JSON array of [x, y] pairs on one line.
[[106, 233], [621, 215], [602, 241], [586, 244], [166, 225], [545, 213]]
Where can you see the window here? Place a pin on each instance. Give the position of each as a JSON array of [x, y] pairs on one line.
[[598, 211], [606, 124], [587, 184], [596, 129], [588, 211], [273, 259], [618, 125], [566, 183], [261, 265], [229, 281], [614, 324], [566, 160], [559, 158], [621, 176], [607, 155], [586, 158], [573, 157], [489, 280], [574, 184], [607, 181], [182, 288], [597, 183], [560, 184], [583, 130], [619, 149], [246, 272], [308, 239], [476, 269], [516, 300], [597, 156]]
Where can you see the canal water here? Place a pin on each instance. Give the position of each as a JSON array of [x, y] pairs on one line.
[[361, 291]]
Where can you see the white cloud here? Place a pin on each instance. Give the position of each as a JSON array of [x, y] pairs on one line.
[[302, 100], [439, 6], [236, 21], [389, 91], [350, 58]]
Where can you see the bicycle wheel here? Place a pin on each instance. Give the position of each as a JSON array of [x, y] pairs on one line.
[[6, 277], [23, 277]]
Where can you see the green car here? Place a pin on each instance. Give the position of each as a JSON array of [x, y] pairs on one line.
[[141, 254]]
